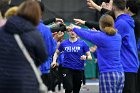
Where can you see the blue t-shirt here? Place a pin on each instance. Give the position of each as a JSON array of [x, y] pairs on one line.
[[72, 53], [108, 49]]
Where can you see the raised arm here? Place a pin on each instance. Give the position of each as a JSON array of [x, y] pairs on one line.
[[89, 24], [93, 5]]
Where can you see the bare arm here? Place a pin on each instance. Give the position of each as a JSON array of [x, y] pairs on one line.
[[55, 58], [93, 5]]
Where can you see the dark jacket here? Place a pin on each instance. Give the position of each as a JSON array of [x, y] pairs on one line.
[[16, 75], [137, 31], [92, 24], [49, 21], [96, 24], [137, 26]]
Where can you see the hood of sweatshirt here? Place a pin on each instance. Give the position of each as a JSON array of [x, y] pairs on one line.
[[18, 25], [127, 18]]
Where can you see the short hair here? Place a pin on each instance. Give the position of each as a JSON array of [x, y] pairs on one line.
[[131, 5], [120, 4], [11, 11], [30, 10]]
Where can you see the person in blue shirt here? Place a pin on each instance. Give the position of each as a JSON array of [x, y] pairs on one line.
[[129, 55], [132, 8], [108, 41], [126, 28], [51, 44], [76, 51]]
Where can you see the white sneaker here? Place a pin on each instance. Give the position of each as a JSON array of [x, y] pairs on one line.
[[50, 92]]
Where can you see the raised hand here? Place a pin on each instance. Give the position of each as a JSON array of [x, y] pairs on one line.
[[107, 6], [59, 20], [93, 5], [79, 21], [59, 36]]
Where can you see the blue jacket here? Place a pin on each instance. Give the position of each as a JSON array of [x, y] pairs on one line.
[[50, 46], [129, 57], [108, 51]]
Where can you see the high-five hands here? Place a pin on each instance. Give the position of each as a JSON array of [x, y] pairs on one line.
[[93, 5], [59, 20], [107, 6], [71, 26], [79, 21]]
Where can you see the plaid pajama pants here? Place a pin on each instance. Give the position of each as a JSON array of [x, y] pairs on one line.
[[111, 82]]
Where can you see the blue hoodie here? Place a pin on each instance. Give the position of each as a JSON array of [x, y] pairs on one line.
[[50, 46], [129, 57], [108, 51]]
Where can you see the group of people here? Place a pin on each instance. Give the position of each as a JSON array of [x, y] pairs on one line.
[[116, 37]]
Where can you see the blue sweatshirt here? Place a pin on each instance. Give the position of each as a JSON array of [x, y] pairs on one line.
[[60, 58], [129, 57], [50, 46], [108, 51], [72, 54]]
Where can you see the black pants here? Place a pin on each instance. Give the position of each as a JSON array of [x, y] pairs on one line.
[[60, 77], [84, 78], [138, 81], [130, 82], [72, 80], [47, 80], [51, 79]]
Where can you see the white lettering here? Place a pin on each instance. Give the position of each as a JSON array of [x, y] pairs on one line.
[[72, 49]]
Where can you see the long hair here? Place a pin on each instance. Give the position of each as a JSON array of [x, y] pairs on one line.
[[30, 10], [106, 22]]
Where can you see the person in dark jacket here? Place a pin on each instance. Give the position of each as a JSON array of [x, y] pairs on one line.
[[16, 74], [51, 44]]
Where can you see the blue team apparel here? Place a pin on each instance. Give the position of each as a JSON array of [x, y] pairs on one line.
[[108, 51], [111, 82], [50, 46], [129, 55], [72, 53], [60, 58]]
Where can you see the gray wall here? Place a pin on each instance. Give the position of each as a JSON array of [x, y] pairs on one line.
[[68, 9]]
